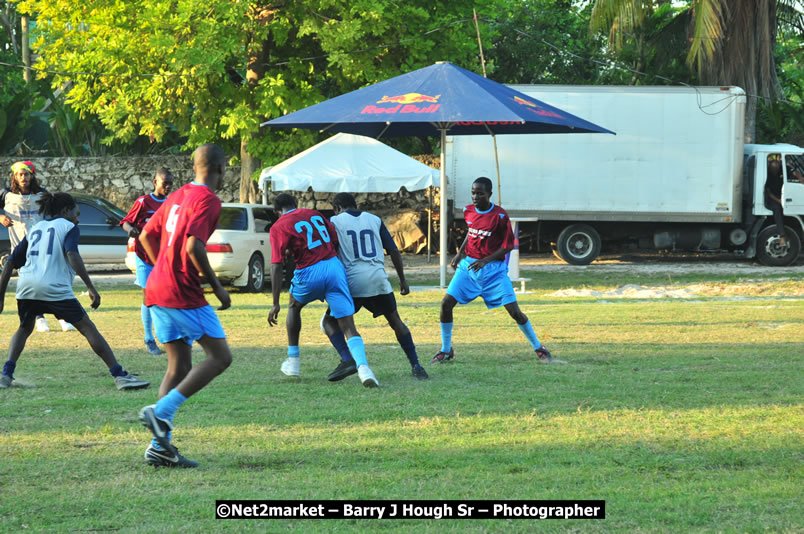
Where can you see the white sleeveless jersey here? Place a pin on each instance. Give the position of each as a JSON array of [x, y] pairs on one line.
[[46, 274], [361, 251]]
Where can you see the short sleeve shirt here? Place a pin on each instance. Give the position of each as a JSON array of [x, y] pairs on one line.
[[192, 210], [488, 231], [307, 234], [44, 272], [139, 214]]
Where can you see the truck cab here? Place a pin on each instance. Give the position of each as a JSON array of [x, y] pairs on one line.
[[765, 237]]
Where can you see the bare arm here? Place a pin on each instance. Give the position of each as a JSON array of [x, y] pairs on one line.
[[396, 259], [276, 290], [494, 256], [8, 269], [197, 251], [132, 230], [457, 259], [151, 245], [77, 263]]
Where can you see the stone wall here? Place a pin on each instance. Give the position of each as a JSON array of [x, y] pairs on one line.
[[122, 179]]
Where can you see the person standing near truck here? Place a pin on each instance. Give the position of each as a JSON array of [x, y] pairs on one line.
[[483, 272], [773, 196]]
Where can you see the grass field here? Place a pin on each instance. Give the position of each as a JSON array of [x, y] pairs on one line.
[[683, 415]]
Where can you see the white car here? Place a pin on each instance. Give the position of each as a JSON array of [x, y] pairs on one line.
[[239, 250]]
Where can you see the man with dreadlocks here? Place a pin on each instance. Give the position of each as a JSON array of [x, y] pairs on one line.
[[20, 203]]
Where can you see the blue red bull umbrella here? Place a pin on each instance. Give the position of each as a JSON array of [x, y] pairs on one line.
[[441, 99]]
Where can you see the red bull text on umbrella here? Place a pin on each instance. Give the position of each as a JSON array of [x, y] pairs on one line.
[[405, 104]]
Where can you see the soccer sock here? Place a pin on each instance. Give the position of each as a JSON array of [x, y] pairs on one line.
[[8, 368], [339, 342], [293, 351], [406, 342], [167, 406], [527, 329], [147, 324], [117, 370], [446, 337], [358, 350]]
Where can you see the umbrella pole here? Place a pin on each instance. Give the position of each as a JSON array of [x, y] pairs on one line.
[[429, 221], [443, 211]]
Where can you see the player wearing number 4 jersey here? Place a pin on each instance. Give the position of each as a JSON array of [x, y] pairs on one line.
[[175, 241], [319, 275]]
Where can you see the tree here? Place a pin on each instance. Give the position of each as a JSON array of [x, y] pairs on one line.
[[731, 43], [214, 70]]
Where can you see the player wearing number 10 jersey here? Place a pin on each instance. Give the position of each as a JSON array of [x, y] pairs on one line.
[[319, 275]]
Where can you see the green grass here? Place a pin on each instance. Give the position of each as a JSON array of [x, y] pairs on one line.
[[682, 415]]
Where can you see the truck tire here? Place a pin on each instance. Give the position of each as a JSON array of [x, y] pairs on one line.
[[578, 244], [770, 253], [256, 274]]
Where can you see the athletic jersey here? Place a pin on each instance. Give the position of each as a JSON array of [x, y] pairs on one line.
[[44, 273], [361, 238], [23, 210], [193, 210], [489, 231], [307, 234], [142, 210]]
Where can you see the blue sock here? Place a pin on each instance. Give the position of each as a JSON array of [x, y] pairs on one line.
[[446, 337], [167, 406], [527, 329], [117, 370], [406, 342], [8, 368], [147, 323], [339, 342], [293, 351], [358, 350]]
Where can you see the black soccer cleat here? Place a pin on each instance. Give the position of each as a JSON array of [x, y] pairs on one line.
[[343, 370], [544, 354], [166, 458], [442, 356], [419, 372], [160, 428]]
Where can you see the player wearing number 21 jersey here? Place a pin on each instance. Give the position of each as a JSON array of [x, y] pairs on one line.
[[310, 239]]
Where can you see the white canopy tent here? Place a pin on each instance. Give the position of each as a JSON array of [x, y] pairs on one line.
[[347, 163]]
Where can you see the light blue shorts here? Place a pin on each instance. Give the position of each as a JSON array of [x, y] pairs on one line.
[[171, 324], [325, 280], [491, 283], [143, 272]]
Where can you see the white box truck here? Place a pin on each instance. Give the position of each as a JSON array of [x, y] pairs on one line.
[[677, 174]]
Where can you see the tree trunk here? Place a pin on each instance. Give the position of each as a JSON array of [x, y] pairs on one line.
[[27, 73], [248, 166], [255, 71]]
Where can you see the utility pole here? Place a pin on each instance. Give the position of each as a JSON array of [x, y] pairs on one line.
[[27, 73]]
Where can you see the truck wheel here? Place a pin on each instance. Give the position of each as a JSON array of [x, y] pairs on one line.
[[769, 252], [578, 244], [256, 274]]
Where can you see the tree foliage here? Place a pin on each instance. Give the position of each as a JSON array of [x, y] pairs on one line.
[[214, 70]]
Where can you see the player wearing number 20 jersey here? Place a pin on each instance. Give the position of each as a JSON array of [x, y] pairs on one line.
[[192, 210]]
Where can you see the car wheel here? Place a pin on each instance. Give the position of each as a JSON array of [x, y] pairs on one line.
[[256, 274], [770, 252]]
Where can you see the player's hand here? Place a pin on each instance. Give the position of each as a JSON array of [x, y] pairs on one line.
[[134, 233], [404, 288], [94, 298], [273, 315], [455, 261], [479, 264], [223, 296], [5, 220]]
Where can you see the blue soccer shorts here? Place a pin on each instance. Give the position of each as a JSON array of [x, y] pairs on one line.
[[325, 280], [143, 272], [491, 283], [171, 324]]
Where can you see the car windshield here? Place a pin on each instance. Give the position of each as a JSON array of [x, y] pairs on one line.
[[105, 204], [233, 219]]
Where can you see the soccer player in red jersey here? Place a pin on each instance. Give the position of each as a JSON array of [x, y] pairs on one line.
[[483, 273], [312, 241], [133, 223], [175, 241]]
